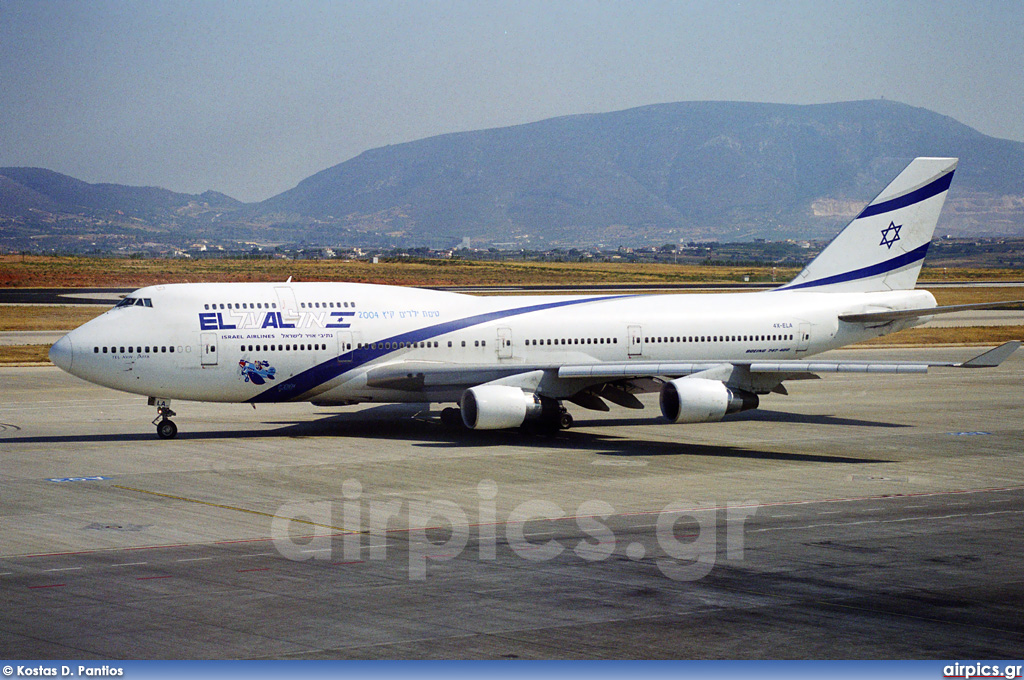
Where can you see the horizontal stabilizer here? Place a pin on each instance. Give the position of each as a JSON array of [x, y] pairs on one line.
[[893, 315]]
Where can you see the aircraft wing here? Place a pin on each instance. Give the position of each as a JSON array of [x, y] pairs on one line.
[[988, 359], [618, 381]]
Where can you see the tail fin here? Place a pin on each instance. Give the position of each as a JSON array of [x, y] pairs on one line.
[[883, 247]]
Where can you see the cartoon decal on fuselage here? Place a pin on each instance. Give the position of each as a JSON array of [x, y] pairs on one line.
[[258, 373]]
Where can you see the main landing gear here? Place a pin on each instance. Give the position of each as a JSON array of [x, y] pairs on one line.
[[451, 417], [553, 416], [165, 427], [564, 419]]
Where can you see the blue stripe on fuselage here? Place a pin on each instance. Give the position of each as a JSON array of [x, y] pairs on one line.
[[322, 373]]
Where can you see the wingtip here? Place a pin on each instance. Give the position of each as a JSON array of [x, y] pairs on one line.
[[993, 357]]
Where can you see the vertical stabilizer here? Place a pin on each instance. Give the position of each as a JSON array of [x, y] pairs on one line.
[[883, 247]]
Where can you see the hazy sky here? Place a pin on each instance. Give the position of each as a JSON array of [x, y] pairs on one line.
[[248, 98]]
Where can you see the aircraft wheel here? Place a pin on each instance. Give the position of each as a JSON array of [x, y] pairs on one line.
[[166, 429], [565, 420]]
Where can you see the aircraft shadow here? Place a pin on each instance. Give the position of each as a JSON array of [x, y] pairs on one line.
[[402, 422], [421, 428], [758, 415], [809, 419]]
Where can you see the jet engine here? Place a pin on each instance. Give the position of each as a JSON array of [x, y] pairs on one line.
[[494, 407], [699, 400]]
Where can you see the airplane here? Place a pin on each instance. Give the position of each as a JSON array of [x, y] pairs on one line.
[[511, 361]]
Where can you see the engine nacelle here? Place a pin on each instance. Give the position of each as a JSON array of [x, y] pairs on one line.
[[495, 407], [699, 400]]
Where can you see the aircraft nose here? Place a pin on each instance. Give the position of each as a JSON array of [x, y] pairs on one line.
[[61, 353]]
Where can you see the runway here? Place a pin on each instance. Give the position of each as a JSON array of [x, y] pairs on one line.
[[859, 517]]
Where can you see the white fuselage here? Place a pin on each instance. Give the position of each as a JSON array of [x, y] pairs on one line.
[[238, 342]]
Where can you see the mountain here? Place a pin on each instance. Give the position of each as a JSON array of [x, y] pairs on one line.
[[41, 205], [727, 171], [723, 170]]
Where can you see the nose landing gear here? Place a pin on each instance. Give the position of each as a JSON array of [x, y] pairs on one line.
[[165, 427]]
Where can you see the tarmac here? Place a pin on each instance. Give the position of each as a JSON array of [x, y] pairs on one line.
[[862, 516]]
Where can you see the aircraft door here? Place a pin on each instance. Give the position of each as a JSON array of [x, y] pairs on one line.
[[803, 337], [343, 351], [504, 348], [208, 347], [636, 340]]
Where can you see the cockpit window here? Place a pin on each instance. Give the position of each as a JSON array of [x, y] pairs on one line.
[[134, 302]]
